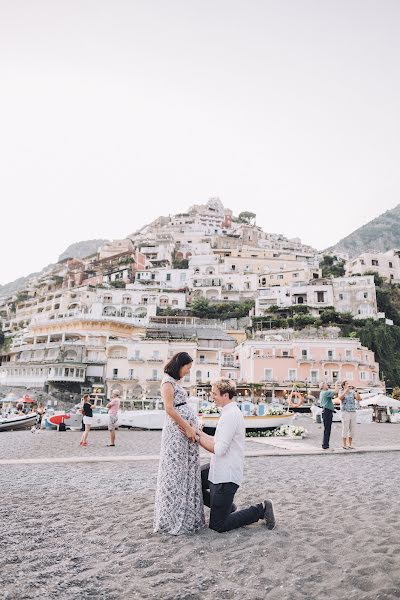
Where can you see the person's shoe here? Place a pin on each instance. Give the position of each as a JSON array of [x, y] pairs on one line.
[[269, 516], [350, 448], [84, 444], [108, 445]]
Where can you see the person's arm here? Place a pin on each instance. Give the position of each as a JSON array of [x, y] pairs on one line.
[[205, 441], [344, 392], [226, 431], [109, 405], [336, 388], [167, 393], [357, 396]]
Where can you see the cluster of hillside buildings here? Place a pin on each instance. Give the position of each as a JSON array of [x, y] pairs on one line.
[[101, 320]]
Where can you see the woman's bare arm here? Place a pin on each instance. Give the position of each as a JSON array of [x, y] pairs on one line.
[[167, 393]]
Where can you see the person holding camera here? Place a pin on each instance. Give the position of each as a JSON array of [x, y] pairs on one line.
[[348, 396], [326, 397]]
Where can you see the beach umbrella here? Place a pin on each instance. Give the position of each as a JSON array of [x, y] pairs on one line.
[[380, 400], [27, 399], [10, 398]]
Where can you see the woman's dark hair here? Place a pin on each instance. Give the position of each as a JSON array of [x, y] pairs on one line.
[[179, 360]]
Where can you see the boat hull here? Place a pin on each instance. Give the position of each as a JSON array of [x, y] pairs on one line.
[[251, 423], [142, 419], [17, 423]]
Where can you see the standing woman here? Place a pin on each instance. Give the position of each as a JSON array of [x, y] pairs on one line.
[[87, 410], [348, 396], [179, 502]]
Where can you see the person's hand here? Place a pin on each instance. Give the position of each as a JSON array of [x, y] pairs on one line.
[[190, 433]]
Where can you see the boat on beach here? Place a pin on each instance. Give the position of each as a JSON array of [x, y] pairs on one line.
[[252, 422], [14, 422]]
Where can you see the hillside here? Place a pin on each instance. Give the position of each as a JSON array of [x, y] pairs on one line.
[[82, 249], [76, 250], [380, 234]]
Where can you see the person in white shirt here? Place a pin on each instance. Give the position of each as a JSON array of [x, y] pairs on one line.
[[223, 476]]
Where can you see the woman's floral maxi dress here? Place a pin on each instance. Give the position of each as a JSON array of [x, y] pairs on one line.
[[179, 502]]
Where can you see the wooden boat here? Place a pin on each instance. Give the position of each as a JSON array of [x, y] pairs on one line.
[[209, 421], [16, 422]]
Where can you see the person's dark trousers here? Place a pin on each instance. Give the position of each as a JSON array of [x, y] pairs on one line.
[[327, 416], [219, 498]]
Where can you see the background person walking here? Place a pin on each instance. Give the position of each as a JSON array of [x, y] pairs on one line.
[[113, 408], [348, 397]]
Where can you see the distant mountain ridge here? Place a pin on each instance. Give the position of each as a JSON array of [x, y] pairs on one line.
[[76, 250], [379, 235]]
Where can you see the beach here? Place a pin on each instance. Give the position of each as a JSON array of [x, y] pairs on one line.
[[84, 530]]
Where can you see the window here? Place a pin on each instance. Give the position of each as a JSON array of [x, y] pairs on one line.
[[390, 265], [233, 267], [348, 354], [268, 375], [131, 373], [320, 296], [168, 276], [154, 374], [365, 294], [304, 354], [285, 352], [182, 276], [362, 261], [202, 358], [314, 376], [349, 375], [341, 297], [198, 376], [153, 276], [280, 277], [292, 374], [335, 376], [295, 274], [331, 354], [364, 375], [374, 263], [115, 373]]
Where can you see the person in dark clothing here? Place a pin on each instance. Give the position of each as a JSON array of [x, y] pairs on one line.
[[326, 400], [87, 411]]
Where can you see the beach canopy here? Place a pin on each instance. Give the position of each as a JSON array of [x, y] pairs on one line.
[[27, 399], [380, 400], [10, 398]]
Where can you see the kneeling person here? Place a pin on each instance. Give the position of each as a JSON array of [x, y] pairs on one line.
[[222, 478]]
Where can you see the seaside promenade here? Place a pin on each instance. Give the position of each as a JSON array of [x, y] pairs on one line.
[[77, 522]]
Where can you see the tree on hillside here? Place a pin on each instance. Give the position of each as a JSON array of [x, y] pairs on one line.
[[332, 266], [247, 217]]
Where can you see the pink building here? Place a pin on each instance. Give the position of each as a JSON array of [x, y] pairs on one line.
[[278, 362]]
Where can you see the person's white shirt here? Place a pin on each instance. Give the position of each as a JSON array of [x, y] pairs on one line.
[[228, 459]]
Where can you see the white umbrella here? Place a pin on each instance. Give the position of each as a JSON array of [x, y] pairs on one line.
[[380, 400]]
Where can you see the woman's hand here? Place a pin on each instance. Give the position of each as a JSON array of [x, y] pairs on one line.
[[190, 433]]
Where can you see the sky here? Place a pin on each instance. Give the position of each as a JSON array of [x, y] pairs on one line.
[[114, 112]]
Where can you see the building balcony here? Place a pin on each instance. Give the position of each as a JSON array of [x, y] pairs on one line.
[[122, 378], [153, 378], [154, 359], [136, 359], [305, 359]]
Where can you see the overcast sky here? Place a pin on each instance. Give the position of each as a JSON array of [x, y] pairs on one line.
[[114, 112]]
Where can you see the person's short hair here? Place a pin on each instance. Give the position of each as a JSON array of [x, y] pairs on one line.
[[225, 386], [86, 396], [115, 393], [174, 366]]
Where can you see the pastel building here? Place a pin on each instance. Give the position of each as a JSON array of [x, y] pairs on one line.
[[386, 264], [356, 295], [280, 360]]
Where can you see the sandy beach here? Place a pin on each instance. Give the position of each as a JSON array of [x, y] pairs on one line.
[[81, 531]]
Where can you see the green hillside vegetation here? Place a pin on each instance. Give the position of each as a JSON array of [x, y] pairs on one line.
[[382, 339], [380, 234]]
